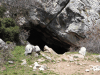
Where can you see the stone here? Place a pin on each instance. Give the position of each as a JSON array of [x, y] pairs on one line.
[[2, 42], [49, 50], [34, 68], [40, 67], [10, 62], [28, 49], [82, 51], [43, 67], [47, 57], [65, 59], [87, 70], [30, 66], [37, 65], [37, 49], [71, 59], [24, 62], [36, 54], [68, 65], [41, 60]]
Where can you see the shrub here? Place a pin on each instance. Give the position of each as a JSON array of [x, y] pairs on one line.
[[9, 30]]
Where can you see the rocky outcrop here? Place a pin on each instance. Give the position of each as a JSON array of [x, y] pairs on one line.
[[60, 22]]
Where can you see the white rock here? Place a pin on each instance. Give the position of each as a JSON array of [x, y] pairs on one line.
[[34, 68], [46, 57], [87, 70], [82, 51], [37, 65], [43, 67], [24, 62], [49, 50], [65, 59], [80, 64], [28, 49], [36, 54], [68, 65], [71, 58], [1, 42], [41, 60], [10, 62], [75, 59], [37, 49], [30, 66]]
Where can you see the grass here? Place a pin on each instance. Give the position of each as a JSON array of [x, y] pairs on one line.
[[63, 60], [18, 69], [67, 53]]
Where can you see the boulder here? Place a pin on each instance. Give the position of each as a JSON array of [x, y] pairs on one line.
[[82, 51], [37, 49], [28, 49], [61, 22]]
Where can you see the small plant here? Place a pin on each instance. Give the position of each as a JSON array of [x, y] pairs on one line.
[[63, 60], [75, 56]]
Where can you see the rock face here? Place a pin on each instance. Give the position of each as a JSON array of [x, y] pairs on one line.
[[60, 21]]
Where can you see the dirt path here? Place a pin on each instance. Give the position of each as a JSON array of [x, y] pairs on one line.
[[63, 66]]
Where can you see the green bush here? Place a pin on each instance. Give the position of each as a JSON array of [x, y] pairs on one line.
[[2, 10], [8, 29]]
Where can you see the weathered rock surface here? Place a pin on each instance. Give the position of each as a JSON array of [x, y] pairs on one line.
[[49, 50], [30, 48], [60, 21]]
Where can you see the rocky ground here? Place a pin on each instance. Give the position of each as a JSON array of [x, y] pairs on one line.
[[50, 63], [74, 64]]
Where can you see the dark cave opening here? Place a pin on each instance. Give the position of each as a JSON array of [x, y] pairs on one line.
[[37, 38]]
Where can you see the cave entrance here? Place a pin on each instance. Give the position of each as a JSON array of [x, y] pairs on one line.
[[37, 38]]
